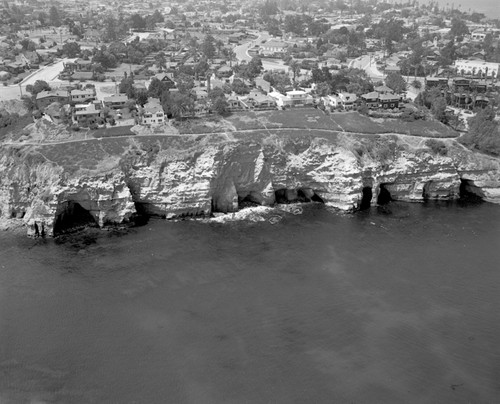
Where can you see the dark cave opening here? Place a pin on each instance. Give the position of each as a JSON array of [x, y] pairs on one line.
[[469, 192], [426, 191], [384, 196], [248, 200], [302, 195], [72, 216], [366, 198]]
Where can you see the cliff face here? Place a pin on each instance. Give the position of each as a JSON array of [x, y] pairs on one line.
[[179, 176]]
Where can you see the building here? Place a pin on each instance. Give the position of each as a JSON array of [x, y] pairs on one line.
[[82, 95], [299, 98], [115, 101], [347, 100], [388, 101], [478, 35], [45, 98], [371, 99], [272, 48], [476, 68], [331, 102], [439, 82], [152, 113], [86, 115]]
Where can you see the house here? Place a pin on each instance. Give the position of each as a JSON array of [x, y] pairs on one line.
[[82, 95], [347, 100], [383, 89], [115, 101], [481, 101], [461, 84], [224, 72], [371, 99], [87, 115], [389, 101], [152, 113], [233, 102], [45, 98], [80, 65], [439, 82], [167, 78], [331, 102], [295, 98], [299, 98], [273, 48], [92, 35], [478, 35], [258, 100], [392, 69], [54, 111]]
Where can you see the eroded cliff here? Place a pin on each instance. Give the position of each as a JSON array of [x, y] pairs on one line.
[[107, 181]]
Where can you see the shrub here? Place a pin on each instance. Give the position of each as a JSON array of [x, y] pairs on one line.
[[437, 147]]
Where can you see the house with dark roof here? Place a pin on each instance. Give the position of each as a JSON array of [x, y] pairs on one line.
[[45, 98]]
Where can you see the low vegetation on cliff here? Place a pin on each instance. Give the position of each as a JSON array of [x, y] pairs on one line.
[[484, 133]]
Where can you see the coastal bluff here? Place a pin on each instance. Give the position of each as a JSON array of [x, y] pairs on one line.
[[54, 187]]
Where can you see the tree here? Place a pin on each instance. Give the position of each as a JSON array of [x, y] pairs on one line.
[[137, 21], [220, 105], [268, 8], [458, 28], [253, 68], [71, 49], [483, 132], [208, 47], [438, 109], [54, 17], [239, 87], [38, 87], [179, 104], [141, 97], [294, 68], [28, 44], [127, 87], [323, 89], [395, 82], [110, 29]]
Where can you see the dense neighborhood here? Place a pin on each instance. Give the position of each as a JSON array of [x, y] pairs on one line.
[[94, 65]]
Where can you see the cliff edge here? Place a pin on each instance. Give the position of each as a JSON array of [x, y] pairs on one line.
[[55, 187]]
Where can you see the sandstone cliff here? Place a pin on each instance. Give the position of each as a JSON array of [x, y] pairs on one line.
[[107, 181]]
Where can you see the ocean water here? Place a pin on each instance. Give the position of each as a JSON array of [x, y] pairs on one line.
[[399, 305]]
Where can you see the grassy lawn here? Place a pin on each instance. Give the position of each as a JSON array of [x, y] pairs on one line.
[[420, 128]]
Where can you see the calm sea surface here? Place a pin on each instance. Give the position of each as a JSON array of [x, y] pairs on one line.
[[375, 307]]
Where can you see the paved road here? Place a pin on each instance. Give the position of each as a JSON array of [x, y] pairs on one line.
[[47, 73], [241, 52], [367, 64]]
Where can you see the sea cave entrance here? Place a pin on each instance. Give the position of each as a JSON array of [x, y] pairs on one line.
[[302, 195], [366, 198], [71, 216], [384, 196], [249, 199], [469, 192]]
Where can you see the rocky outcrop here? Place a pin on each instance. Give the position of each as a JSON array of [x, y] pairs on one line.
[[197, 175]]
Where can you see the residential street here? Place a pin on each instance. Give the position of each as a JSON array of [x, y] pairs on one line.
[[368, 66], [47, 73]]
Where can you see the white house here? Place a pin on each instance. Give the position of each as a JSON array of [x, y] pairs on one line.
[[152, 113]]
